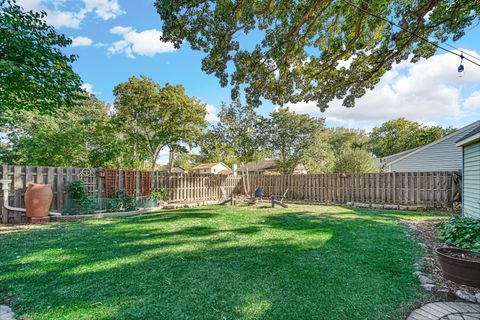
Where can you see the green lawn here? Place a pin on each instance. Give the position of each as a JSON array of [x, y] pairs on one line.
[[305, 262]]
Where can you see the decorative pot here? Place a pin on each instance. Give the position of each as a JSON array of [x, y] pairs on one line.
[[461, 271], [38, 199]]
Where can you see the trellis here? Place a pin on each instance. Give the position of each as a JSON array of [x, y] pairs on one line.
[[111, 182], [89, 179]]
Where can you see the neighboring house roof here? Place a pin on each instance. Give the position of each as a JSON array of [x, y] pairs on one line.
[[393, 157], [204, 166], [471, 136], [417, 150], [258, 166], [226, 172], [175, 169]]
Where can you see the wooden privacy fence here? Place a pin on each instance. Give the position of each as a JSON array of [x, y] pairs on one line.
[[426, 189], [104, 183]]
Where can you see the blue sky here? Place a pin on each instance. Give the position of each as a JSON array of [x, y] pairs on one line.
[[117, 39]]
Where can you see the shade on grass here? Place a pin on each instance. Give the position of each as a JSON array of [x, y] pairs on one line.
[[305, 262]]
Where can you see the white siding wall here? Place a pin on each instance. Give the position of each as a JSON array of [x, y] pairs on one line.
[[471, 181], [443, 156]]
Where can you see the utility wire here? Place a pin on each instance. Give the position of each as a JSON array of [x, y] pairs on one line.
[[461, 55], [464, 53]]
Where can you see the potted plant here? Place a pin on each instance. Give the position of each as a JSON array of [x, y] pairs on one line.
[[461, 261], [158, 196]]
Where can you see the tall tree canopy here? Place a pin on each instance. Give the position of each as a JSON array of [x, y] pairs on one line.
[[153, 117], [288, 135], [238, 131], [310, 50], [400, 135], [34, 73], [82, 137]]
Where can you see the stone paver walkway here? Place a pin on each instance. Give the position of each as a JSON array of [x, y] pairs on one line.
[[447, 311], [6, 313]]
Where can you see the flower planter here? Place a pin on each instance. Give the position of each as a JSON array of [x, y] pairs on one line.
[[38, 199], [460, 265]]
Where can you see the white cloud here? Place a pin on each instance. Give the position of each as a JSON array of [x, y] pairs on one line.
[[473, 101], [145, 43], [88, 87], [422, 91], [211, 116], [105, 9], [81, 41], [58, 16]]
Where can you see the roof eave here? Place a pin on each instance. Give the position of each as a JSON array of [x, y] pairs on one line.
[[468, 140]]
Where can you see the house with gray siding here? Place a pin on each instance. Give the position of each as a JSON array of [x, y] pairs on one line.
[[469, 144], [440, 155]]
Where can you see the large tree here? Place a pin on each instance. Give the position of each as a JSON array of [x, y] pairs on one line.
[[312, 50], [238, 129], [82, 137], [34, 73], [400, 135], [339, 150], [288, 135], [153, 117]]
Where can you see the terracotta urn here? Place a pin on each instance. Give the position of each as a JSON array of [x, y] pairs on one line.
[[38, 199]]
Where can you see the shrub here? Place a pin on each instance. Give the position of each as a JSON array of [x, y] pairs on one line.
[[158, 195], [461, 232], [79, 201], [76, 190]]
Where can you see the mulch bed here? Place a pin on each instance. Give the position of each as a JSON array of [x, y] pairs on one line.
[[425, 233]]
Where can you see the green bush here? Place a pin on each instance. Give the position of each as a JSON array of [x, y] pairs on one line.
[[76, 190], [460, 232], [158, 195], [79, 202], [121, 202]]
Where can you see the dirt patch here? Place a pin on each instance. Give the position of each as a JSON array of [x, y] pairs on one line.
[[6, 228], [425, 233]]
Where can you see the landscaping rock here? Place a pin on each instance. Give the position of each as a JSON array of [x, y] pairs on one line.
[[403, 208], [424, 279], [465, 296], [412, 208], [6, 313], [391, 206], [350, 204], [170, 206], [419, 265], [428, 287], [418, 273], [443, 290], [377, 206], [423, 245], [362, 205], [478, 297]]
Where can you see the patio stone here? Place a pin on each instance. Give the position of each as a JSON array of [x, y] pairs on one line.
[[6, 313], [446, 311]]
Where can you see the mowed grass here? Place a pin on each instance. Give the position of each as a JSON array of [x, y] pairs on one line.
[[304, 262]]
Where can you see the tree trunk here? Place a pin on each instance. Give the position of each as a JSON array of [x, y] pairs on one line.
[[171, 155], [246, 183], [152, 172]]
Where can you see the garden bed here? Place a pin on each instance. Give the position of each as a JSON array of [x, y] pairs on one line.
[[425, 232]]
